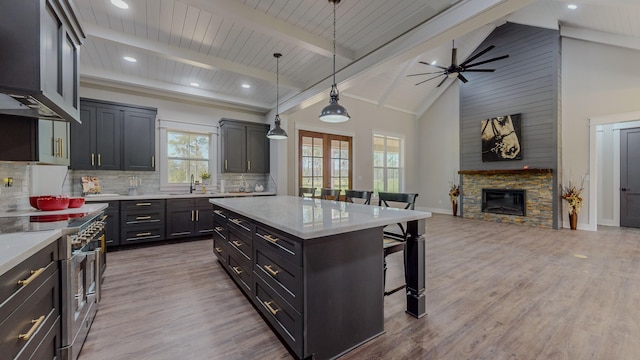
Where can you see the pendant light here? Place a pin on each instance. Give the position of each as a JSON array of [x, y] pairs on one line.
[[277, 133], [334, 112]]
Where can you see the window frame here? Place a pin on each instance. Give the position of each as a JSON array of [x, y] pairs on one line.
[[176, 126], [401, 164], [326, 155]]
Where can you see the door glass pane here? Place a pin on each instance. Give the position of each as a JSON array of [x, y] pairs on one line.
[[344, 149], [317, 147], [378, 151], [307, 146]]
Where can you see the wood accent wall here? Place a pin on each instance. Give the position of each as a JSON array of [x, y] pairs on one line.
[[526, 83]]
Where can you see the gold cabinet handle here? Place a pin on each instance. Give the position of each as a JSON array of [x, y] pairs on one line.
[[33, 276], [236, 221], [103, 243], [93, 159], [99, 159], [191, 215], [237, 270], [271, 309], [143, 204], [153, 161], [237, 243], [225, 164], [143, 217], [197, 215], [61, 147], [271, 238], [219, 212], [219, 228], [249, 165], [36, 324], [219, 250], [143, 234], [271, 271]]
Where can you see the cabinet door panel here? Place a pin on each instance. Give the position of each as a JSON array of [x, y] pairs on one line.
[[108, 123], [234, 152], [257, 150], [139, 141], [180, 223], [83, 138], [46, 141]]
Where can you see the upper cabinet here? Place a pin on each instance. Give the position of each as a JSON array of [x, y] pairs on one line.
[[244, 147], [34, 140], [40, 55], [113, 136]]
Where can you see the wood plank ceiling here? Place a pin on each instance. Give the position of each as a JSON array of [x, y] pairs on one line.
[[222, 44]]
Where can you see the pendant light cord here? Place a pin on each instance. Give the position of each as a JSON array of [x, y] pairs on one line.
[[334, 43], [277, 85]]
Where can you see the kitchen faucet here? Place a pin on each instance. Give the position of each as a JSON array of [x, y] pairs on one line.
[[192, 185]]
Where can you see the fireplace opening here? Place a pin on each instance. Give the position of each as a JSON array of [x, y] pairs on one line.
[[504, 201]]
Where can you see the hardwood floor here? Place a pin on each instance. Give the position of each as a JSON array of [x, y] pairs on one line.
[[494, 291]]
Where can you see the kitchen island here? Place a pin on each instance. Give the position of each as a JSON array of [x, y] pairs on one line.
[[314, 268]]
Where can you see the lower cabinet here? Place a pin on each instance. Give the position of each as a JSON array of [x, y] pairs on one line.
[[112, 231], [30, 307], [142, 221], [188, 218]]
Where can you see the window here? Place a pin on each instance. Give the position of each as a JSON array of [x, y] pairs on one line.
[[324, 160], [387, 163], [187, 154]]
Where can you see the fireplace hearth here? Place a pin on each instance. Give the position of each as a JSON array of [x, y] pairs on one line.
[[504, 201]]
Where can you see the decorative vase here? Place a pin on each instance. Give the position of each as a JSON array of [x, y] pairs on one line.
[[573, 220], [454, 206]]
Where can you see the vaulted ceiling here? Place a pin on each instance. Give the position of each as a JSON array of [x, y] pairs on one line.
[[223, 44]]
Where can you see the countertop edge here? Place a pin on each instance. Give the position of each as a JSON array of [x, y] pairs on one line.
[[23, 247], [173, 196]]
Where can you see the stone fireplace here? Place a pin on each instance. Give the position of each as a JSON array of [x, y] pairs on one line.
[[521, 196]]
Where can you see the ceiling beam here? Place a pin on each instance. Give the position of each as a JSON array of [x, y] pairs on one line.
[[115, 79], [185, 56], [624, 41], [457, 21], [261, 22]]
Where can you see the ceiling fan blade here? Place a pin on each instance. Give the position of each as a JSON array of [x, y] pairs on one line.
[[442, 82], [427, 73], [454, 56], [480, 70], [462, 78], [438, 66], [487, 61], [429, 79], [477, 55]]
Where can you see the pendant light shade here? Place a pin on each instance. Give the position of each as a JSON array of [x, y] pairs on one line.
[[277, 133], [334, 112]]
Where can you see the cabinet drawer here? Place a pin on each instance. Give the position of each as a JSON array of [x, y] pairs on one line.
[[289, 249], [283, 277], [139, 218], [180, 203], [219, 215], [10, 287], [49, 347], [141, 204], [220, 248], [284, 318], [241, 272], [239, 243], [141, 234], [241, 224], [34, 317]]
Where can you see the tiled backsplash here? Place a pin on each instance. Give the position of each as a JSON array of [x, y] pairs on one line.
[[16, 196]]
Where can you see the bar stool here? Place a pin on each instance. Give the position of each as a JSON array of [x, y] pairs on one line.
[[330, 194], [306, 192]]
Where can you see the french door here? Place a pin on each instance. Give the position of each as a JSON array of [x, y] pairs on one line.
[[324, 160]]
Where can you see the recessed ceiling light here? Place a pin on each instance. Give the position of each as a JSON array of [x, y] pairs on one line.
[[195, 84], [434, 62], [572, 6], [129, 59], [120, 4], [246, 86]]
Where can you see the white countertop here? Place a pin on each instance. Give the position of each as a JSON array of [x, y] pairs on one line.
[[114, 197], [17, 247], [311, 218], [86, 208]]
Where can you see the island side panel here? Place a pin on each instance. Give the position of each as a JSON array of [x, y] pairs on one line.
[[415, 275], [344, 292]]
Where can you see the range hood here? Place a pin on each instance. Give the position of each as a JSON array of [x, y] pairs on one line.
[[30, 106]]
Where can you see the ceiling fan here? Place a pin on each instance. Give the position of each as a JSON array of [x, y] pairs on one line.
[[456, 70]]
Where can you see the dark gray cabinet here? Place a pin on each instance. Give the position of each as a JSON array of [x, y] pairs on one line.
[[113, 136], [244, 147], [188, 218], [32, 139], [40, 50], [142, 221]]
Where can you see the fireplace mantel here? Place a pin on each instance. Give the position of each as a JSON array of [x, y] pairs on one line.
[[505, 171]]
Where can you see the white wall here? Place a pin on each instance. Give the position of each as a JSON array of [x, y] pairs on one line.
[[439, 144], [365, 119], [597, 81]]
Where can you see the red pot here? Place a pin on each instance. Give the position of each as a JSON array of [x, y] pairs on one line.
[[33, 200], [53, 203], [76, 202]]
